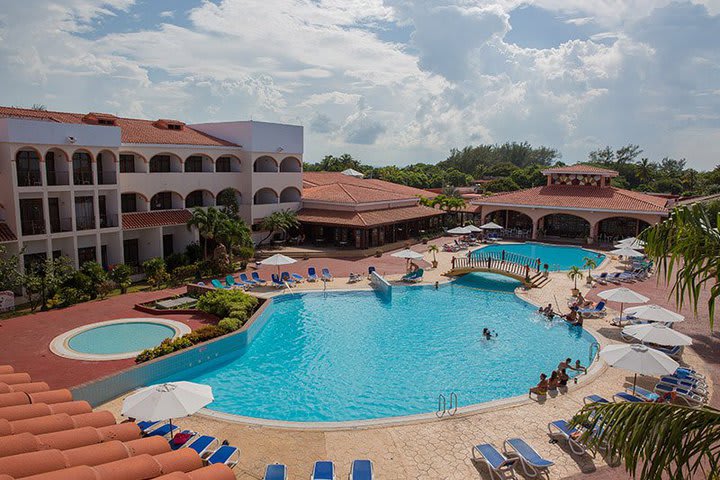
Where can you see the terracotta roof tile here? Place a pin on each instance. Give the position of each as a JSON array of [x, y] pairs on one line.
[[6, 235], [340, 188], [581, 168], [372, 218], [158, 218], [581, 198], [132, 130]]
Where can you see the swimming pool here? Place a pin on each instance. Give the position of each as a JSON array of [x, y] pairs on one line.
[[558, 257], [343, 356]]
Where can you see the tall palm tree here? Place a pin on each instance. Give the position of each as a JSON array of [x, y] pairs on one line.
[[658, 440], [280, 221], [231, 232], [206, 221], [590, 263]]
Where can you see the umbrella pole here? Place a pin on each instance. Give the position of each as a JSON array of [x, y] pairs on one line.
[[621, 317], [634, 383]]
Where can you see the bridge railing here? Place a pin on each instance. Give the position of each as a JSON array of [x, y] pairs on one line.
[[503, 260]]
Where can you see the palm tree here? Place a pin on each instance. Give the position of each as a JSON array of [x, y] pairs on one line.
[[206, 221], [231, 232], [280, 221], [574, 273], [590, 263], [664, 440], [434, 249]]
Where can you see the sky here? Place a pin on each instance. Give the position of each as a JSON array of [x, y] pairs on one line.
[[390, 82]]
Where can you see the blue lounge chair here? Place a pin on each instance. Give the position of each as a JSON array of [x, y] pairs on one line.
[[225, 455], [276, 281], [569, 433], [312, 274], [601, 279], [626, 397], [323, 470], [146, 426], [275, 471], [690, 374], [204, 445], [230, 282], [690, 397], [645, 395], [296, 277], [361, 470], [217, 284], [532, 462], [415, 276], [672, 352], [691, 382], [598, 310], [244, 278], [326, 275], [256, 277], [594, 399], [692, 386], [497, 463], [285, 277], [165, 430], [175, 446]]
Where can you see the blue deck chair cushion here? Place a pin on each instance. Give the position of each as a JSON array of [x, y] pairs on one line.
[[527, 453], [245, 279], [201, 444], [646, 395], [326, 273], [257, 278], [217, 284], [628, 397], [362, 470], [275, 471], [324, 470], [222, 455], [145, 426], [492, 455], [595, 399], [162, 430], [564, 428]]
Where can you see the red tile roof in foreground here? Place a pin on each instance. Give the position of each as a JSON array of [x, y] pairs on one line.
[[580, 168], [44, 434], [367, 219], [133, 130], [6, 235], [347, 189], [157, 218], [580, 198]]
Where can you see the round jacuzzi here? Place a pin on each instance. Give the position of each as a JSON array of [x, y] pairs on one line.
[[115, 339]]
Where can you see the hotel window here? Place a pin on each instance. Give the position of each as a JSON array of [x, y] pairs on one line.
[[86, 254], [28, 168], [131, 252], [161, 201], [160, 163], [82, 169], [127, 163], [31, 216], [222, 164], [194, 164], [84, 213], [128, 203], [194, 199]]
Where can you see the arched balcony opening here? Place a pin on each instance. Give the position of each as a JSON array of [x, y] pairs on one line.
[[198, 164], [564, 226], [291, 164], [616, 228], [516, 224], [165, 163], [265, 164], [27, 164], [131, 162], [290, 194], [166, 201], [82, 168], [228, 163], [106, 166], [229, 198], [199, 198], [57, 167], [265, 196], [133, 202]]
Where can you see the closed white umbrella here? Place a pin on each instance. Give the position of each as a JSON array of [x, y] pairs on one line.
[[408, 254], [626, 252], [167, 401], [622, 295], [639, 358], [491, 226], [277, 260], [655, 313], [657, 333], [459, 231]]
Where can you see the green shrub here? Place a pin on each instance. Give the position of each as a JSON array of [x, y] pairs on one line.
[[155, 272], [222, 302], [230, 324], [176, 260], [96, 275], [120, 274], [105, 287], [181, 274], [245, 253]]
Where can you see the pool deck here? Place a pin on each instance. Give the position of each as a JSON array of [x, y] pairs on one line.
[[437, 449]]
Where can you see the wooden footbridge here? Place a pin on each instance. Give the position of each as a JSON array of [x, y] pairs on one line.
[[519, 267]]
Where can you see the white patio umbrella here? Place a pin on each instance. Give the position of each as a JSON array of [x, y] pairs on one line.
[[277, 260], [655, 313], [657, 333], [491, 226], [626, 252], [459, 231], [473, 228], [167, 401], [622, 295], [407, 254], [631, 242], [639, 358]]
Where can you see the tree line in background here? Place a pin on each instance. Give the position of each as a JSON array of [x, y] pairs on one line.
[[513, 166]]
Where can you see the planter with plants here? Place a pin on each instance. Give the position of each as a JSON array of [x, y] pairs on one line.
[[574, 273], [434, 249], [590, 263]]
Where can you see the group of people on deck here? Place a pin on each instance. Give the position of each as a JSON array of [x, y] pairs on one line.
[[558, 378], [573, 317]]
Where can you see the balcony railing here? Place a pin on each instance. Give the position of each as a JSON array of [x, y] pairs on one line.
[[58, 178], [108, 221], [58, 225], [29, 178], [33, 227], [82, 178], [85, 222], [107, 178]]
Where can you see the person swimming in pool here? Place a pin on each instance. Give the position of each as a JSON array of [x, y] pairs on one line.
[[488, 334]]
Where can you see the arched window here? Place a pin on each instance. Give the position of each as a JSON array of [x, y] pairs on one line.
[[27, 163]]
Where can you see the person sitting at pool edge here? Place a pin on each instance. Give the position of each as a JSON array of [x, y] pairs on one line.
[[563, 378], [553, 382], [541, 388]]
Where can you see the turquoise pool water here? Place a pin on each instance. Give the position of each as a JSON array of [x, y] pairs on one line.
[[358, 355], [558, 257], [120, 338]]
